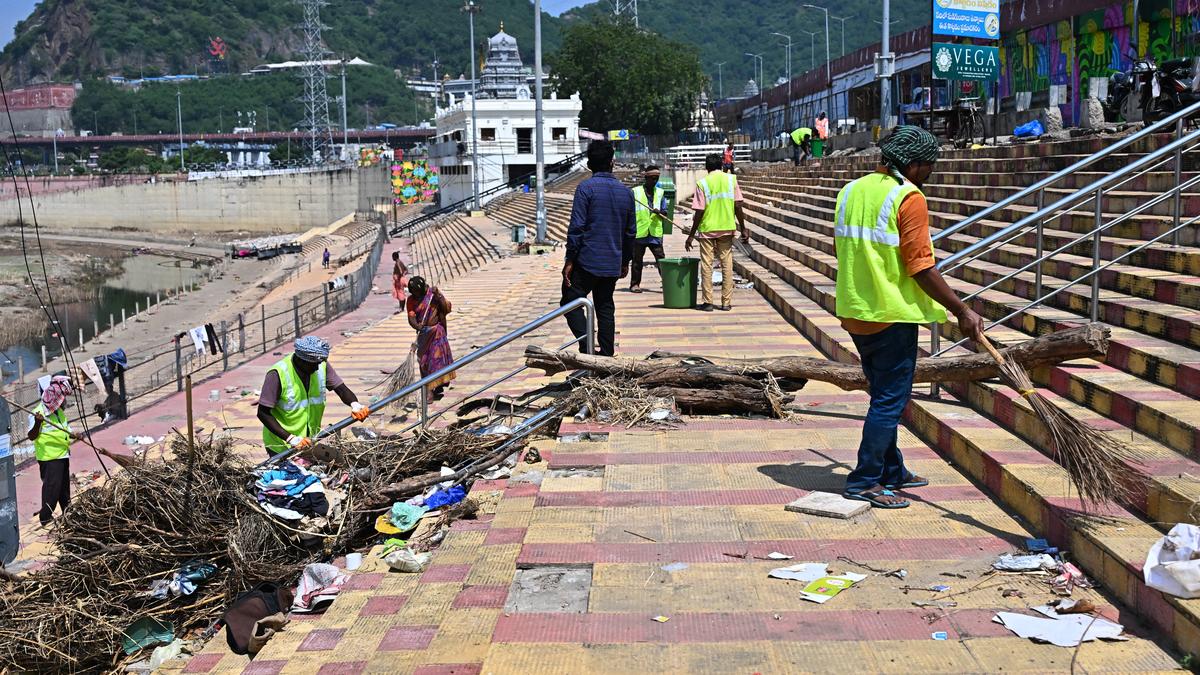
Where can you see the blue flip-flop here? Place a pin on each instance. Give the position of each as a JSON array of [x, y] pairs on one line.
[[872, 497], [909, 483]]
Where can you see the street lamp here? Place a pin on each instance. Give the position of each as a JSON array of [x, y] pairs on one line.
[[812, 49], [540, 157], [757, 69], [843, 20], [787, 110], [828, 66], [179, 117], [720, 81], [472, 8], [758, 60]]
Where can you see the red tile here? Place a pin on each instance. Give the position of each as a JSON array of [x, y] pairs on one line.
[[481, 596], [264, 668], [521, 490], [449, 669], [202, 663], [321, 639], [343, 668], [401, 638], [383, 605], [504, 535], [364, 582], [443, 573]]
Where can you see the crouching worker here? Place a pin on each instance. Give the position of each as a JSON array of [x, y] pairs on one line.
[[293, 396]]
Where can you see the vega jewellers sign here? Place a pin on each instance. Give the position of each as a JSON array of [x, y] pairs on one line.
[[965, 62], [967, 18]]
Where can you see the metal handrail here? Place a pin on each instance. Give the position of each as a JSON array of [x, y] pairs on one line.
[[422, 384], [1177, 119], [1093, 193]]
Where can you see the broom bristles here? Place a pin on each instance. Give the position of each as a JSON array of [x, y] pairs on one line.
[[400, 378], [1102, 468]]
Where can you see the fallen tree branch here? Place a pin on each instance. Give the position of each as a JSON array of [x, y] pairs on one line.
[[1089, 341]]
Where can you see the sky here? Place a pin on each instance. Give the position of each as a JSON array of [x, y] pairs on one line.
[[12, 11], [556, 7]]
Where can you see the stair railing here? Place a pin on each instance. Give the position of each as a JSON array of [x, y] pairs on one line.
[[1090, 200], [1176, 120]]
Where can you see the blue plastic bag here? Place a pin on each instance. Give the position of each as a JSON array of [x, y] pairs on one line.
[[1030, 130], [452, 495]]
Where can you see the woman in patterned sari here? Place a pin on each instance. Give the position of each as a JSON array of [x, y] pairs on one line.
[[427, 310]]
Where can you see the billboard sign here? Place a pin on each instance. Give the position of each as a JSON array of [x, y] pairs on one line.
[[618, 135], [965, 62], [967, 18]]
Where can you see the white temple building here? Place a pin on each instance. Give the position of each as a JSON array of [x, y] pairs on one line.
[[505, 127]]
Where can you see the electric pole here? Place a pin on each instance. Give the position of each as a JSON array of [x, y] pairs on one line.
[[345, 104], [720, 81], [179, 117], [885, 85], [472, 8], [539, 136]]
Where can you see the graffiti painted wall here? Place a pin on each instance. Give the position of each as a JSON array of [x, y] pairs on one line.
[[1068, 58]]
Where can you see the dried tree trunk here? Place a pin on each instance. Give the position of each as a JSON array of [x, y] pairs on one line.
[[1089, 341], [733, 399]]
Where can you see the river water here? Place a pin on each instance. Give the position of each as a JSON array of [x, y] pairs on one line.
[[143, 279]]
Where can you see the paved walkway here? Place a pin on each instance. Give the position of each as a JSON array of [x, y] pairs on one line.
[[674, 524]]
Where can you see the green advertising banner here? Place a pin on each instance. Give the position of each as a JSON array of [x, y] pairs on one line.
[[965, 62]]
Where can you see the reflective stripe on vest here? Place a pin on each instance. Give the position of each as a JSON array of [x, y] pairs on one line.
[[718, 188], [54, 440], [298, 411], [648, 224], [872, 282]]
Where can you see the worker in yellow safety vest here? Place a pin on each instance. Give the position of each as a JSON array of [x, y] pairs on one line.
[[888, 285], [801, 144], [650, 208], [717, 203], [51, 435], [292, 401]]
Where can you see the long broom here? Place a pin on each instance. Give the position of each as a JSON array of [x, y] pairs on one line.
[[401, 377], [1100, 466]]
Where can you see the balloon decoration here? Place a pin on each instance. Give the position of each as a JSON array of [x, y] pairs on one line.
[[414, 181]]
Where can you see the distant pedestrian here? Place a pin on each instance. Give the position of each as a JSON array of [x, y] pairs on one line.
[[51, 435], [399, 278], [822, 125], [727, 159], [718, 212], [801, 144], [651, 204], [599, 246], [325, 259]]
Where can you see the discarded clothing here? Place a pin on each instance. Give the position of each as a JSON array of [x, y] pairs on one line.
[[1173, 563], [92, 372], [183, 582], [407, 560], [1025, 563], [446, 497], [147, 632], [291, 492], [404, 517], [214, 345], [198, 335], [295, 507], [319, 585]]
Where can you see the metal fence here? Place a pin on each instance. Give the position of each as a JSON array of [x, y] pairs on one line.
[[242, 337]]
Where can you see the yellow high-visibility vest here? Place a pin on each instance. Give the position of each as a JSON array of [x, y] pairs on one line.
[[872, 284], [802, 134], [718, 188], [54, 440], [648, 224], [298, 411]]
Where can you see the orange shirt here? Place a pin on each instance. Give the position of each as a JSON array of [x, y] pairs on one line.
[[916, 252]]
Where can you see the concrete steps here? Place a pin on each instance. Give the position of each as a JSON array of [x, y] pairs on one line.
[[1111, 548]]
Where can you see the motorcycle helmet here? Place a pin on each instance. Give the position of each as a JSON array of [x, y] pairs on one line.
[[1119, 78]]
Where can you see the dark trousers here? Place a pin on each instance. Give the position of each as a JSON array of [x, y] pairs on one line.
[[584, 283], [56, 487], [639, 252], [889, 359]]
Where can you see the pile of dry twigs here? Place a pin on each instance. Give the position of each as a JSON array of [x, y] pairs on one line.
[[140, 526]]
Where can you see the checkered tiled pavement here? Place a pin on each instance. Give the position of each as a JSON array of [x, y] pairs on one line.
[[710, 495]]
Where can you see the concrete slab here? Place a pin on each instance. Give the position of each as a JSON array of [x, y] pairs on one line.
[[828, 505], [550, 589]]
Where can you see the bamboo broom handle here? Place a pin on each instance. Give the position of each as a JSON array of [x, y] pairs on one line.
[[987, 344]]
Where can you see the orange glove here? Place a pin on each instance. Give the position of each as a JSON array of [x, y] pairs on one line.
[[299, 442], [359, 411]]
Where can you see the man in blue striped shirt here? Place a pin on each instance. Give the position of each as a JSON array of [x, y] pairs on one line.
[[599, 245]]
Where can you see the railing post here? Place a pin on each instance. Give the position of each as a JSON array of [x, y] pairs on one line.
[[178, 366], [935, 343], [241, 334], [325, 293], [296, 315], [1178, 176], [224, 345], [424, 406], [1096, 255], [590, 339], [353, 298], [1039, 246], [263, 308]]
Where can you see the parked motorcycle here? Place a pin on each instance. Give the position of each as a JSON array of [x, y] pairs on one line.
[[1167, 88]]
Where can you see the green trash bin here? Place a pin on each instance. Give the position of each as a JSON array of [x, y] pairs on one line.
[[818, 148], [679, 279], [668, 187]]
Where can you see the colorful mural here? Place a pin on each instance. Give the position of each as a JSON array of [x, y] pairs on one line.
[[1069, 54], [414, 181]]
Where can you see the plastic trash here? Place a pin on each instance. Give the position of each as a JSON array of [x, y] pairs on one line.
[[674, 567], [1025, 563], [1173, 563], [406, 560], [404, 517], [165, 653], [1029, 130], [146, 632]]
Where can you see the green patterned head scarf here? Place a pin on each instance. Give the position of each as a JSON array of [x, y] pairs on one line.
[[908, 144]]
